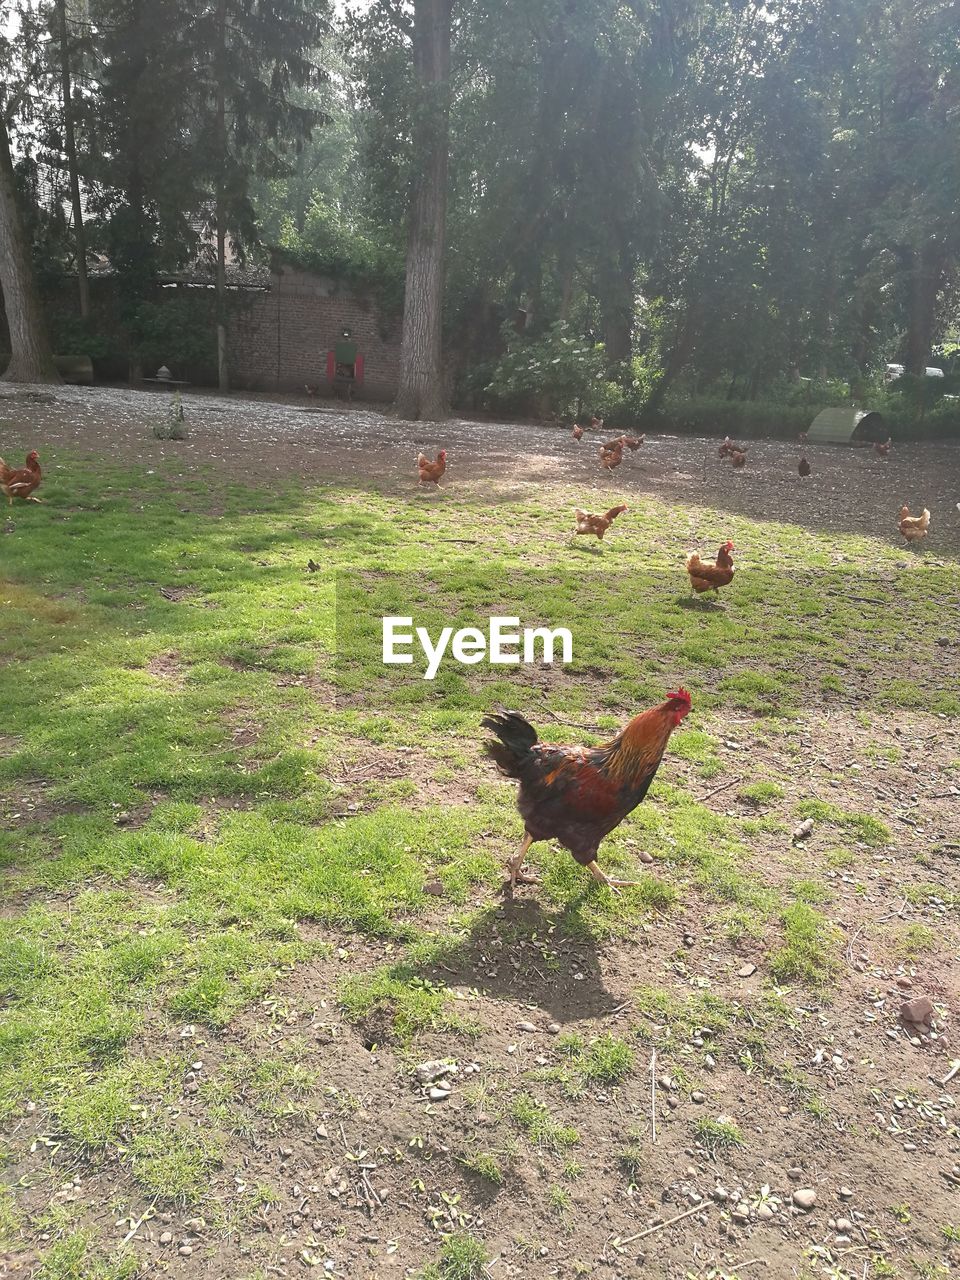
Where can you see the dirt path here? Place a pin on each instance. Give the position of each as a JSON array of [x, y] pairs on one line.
[[256, 438]]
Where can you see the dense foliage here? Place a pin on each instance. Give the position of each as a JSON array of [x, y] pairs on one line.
[[651, 203]]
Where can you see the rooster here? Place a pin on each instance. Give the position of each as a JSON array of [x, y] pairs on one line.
[[803, 466], [913, 528], [882, 449], [595, 423], [738, 457], [633, 443], [711, 575], [432, 471], [578, 795], [726, 446], [577, 431], [20, 482], [311, 389], [587, 523]]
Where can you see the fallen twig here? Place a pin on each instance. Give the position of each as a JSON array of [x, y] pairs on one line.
[[687, 1213], [751, 1262], [653, 1093], [615, 1013], [590, 728], [716, 790], [147, 1213]]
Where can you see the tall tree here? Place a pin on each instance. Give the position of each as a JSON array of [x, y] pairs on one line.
[[421, 392], [31, 359], [255, 58], [65, 46]]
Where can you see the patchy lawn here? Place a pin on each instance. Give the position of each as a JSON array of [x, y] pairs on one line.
[[251, 877]]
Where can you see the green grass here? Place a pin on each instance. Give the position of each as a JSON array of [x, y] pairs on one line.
[[462, 1257], [718, 1135], [809, 951], [858, 826], [760, 793], [218, 794], [534, 1119]]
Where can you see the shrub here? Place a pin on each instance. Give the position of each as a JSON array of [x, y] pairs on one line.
[[554, 372]]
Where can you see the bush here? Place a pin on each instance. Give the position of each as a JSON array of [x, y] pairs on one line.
[[177, 333], [555, 372], [72, 336], [741, 419]]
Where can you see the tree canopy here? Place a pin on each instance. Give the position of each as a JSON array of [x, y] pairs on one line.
[[714, 197]]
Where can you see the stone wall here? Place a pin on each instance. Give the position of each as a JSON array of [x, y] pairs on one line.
[[279, 339]]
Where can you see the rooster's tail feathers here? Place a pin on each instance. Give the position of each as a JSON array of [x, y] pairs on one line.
[[516, 736], [693, 561]]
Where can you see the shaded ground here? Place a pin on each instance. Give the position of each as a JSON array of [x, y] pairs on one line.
[[225, 952], [254, 439]]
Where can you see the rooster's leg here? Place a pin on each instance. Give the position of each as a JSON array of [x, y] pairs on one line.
[[516, 862], [601, 877]]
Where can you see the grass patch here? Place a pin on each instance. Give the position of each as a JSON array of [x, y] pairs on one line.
[[718, 1135], [809, 950], [535, 1120], [859, 826], [914, 940], [462, 1257], [760, 793]]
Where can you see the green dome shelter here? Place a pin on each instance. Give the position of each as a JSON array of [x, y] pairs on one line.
[[846, 426]]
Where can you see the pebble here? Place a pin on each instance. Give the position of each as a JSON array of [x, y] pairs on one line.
[[427, 1072], [194, 1224], [437, 1094], [697, 1096], [747, 971], [665, 1082], [720, 1194], [710, 1062], [794, 1174], [742, 1212], [845, 1193], [166, 1237], [673, 1101], [765, 1211], [805, 1199], [918, 1010], [553, 1028], [844, 1225], [526, 1026], [185, 1250]]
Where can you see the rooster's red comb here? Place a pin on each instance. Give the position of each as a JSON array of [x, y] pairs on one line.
[[680, 695]]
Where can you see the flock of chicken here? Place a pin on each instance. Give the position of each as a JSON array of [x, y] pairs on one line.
[[704, 575]]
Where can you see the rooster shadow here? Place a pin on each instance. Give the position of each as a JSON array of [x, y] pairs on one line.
[[518, 953]]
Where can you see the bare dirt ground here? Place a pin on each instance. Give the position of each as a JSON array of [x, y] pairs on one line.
[[257, 437], [834, 1094]]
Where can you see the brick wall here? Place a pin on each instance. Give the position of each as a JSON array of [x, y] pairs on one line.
[[279, 339]]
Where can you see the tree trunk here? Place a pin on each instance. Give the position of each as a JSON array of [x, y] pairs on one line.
[[421, 390], [71, 149], [925, 284], [31, 359], [617, 307], [223, 372]]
